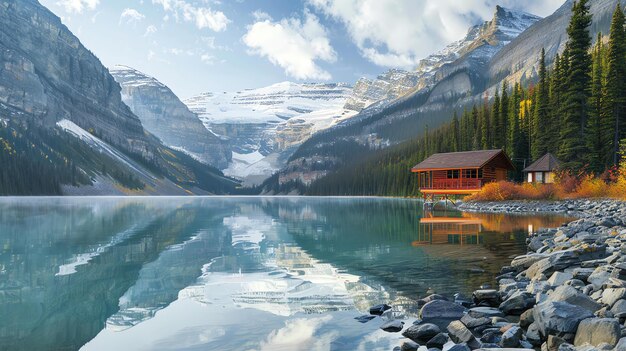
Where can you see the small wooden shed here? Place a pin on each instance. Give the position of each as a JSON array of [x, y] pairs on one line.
[[458, 173], [543, 170]]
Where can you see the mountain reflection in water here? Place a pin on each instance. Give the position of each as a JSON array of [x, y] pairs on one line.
[[227, 273]]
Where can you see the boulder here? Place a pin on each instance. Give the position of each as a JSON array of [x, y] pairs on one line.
[[517, 303], [566, 293], [459, 333], [599, 276], [441, 312], [595, 331], [393, 326], [490, 297], [478, 312], [558, 278], [532, 334], [511, 337], [554, 317], [437, 341], [525, 261], [619, 309], [611, 295], [421, 332], [621, 345], [472, 322], [409, 346], [379, 309]]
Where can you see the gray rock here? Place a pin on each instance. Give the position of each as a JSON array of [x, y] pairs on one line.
[[554, 317], [517, 303], [511, 337], [558, 278], [619, 309], [525, 261], [611, 295], [393, 326], [595, 331], [421, 332], [441, 312], [570, 295], [437, 341], [459, 333], [379, 309], [488, 296], [409, 346], [472, 322], [599, 276]]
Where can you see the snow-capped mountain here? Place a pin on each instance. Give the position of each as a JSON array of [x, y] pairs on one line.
[[480, 43], [398, 104], [165, 116], [264, 124]]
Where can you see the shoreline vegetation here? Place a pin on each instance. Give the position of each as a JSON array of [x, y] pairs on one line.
[[568, 293]]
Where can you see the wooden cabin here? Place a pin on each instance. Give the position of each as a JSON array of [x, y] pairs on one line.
[[461, 173], [543, 170]]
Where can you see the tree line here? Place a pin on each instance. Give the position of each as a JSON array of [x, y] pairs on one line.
[[576, 110]]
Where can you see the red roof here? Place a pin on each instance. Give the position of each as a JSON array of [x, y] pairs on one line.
[[464, 159]]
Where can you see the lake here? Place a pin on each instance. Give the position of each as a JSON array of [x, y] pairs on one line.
[[234, 273]]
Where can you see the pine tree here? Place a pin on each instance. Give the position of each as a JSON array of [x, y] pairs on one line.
[[455, 132], [595, 157], [576, 107], [612, 124], [541, 120], [494, 122], [503, 115]]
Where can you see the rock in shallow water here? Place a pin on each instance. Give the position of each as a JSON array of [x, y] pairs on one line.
[[437, 341], [441, 312], [421, 332], [364, 318], [393, 326], [379, 309]]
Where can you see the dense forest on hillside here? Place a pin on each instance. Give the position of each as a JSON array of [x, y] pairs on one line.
[[576, 110]]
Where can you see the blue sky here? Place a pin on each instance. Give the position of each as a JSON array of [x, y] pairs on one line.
[[197, 46]]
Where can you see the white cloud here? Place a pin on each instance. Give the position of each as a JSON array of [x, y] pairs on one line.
[[207, 59], [131, 16], [398, 33], [202, 17], [292, 44], [77, 6], [150, 30], [299, 334]]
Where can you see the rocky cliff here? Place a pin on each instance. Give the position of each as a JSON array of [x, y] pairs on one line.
[[62, 114], [164, 115], [49, 75]]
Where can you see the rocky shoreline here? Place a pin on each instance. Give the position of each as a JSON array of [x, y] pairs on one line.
[[568, 293]]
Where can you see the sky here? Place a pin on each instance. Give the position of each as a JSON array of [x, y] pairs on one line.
[[197, 46]]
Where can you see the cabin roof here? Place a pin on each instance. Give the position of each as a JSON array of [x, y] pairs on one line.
[[546, 163], [464, 159]]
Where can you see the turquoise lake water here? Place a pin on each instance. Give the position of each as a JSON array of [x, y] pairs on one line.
[[234, 273]]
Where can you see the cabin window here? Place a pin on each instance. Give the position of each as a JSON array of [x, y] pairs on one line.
[[470, 173], [453, 174], [539, 176]]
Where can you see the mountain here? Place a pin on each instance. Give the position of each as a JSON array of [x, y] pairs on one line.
[[164, 115], [265, 125], [64, 126], [479, 44], [444, 81]]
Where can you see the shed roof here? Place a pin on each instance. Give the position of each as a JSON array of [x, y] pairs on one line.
[[546, 163], [464, 159]]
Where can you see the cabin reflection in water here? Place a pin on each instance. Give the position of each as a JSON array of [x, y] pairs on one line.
[[470, 228]]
